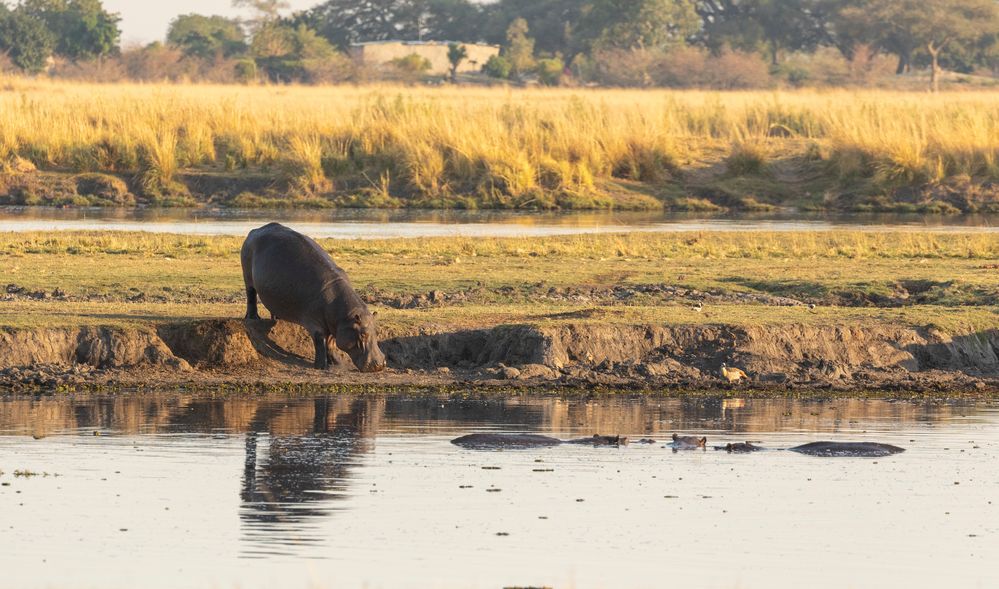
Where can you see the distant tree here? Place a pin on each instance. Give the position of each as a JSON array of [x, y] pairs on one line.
[[553, 22], [638, 24], [344, 22], [519, 48], [25, 39], [265, 11], [769, 26], [287, 53], [82, 28], [207, 37], [935, 26], [455, 55]]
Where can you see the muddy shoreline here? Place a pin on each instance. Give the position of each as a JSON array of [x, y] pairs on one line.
[[781, 360]]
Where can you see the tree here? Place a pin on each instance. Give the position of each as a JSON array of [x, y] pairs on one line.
[[519, 48], [287, 53], [638, 24], [82, 28], [935, 26], [266, 11], [769, 26], [455, 55], [553, 22], [344, 22], [26, 40], [207, 37]]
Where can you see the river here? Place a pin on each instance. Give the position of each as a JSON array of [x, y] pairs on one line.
[[374, 224], [188, 490]]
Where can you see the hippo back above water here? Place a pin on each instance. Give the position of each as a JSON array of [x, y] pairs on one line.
[[847, 449], [298, 282]]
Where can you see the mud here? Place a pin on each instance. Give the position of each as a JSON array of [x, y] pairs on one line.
[[779, 359]]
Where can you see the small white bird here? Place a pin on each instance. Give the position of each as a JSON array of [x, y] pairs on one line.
[[732, 374], [698, 306]]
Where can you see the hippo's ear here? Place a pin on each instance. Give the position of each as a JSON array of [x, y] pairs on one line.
[[703, 441]]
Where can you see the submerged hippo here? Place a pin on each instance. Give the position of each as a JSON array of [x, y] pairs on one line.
[[847, 449], [739, 447], [298, 282], [517, 441], [688, 442]]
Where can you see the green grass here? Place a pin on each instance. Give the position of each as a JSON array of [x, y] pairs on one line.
[[853, 277]]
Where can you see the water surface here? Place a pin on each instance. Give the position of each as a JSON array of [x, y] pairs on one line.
[[370, 224], [200, 491]]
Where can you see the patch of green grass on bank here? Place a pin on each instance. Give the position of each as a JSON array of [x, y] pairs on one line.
[[913, 278]]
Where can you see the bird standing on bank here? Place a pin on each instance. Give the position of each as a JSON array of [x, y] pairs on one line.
[[732, 374]]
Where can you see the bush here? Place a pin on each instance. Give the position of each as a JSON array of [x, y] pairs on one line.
[[550, 71], [104, 188], [681, 67], [246, 71], [411, 64], [498, 67]]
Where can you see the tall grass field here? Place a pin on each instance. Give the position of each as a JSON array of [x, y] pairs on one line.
[[70, 143]]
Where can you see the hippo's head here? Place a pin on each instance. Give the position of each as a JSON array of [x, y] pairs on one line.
[[359, 339]]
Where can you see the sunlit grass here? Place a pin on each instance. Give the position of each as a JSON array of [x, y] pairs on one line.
[[492, 147], [143, 279]]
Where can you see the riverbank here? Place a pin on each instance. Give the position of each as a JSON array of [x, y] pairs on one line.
[[838, 311], [67, 144]]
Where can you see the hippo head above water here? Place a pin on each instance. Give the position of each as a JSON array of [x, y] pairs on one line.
[[358, 338]]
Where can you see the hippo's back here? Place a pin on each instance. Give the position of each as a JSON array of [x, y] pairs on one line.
[[289, 271]]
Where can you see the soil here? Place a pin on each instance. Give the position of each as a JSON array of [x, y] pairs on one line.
[[788, 359]]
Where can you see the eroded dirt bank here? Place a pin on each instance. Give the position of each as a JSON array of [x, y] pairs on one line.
[[784, 358]]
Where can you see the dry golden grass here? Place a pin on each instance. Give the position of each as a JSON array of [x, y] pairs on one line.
[[490, 147]]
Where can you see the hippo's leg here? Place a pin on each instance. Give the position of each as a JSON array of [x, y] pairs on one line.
[[322, 352], [251, 303], [331, 355]]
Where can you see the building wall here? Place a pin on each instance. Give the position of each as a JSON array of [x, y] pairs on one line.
[[435, 52]]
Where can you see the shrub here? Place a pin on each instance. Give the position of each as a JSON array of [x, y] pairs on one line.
[[102, 187], [245, 71], [550, 71], [498, 66], [411, 64]]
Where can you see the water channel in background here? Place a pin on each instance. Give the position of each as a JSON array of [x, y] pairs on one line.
[[371, 224], [187, 490]]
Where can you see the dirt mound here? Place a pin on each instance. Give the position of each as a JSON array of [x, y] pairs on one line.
[[101, 347], [587, 353], [212, 343]]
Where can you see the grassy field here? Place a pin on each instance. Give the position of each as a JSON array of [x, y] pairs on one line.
[[948, 280], [505, 148]]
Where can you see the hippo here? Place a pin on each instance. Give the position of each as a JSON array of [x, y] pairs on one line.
[[739, 447], [298, 282], [847, 449], [688, 442], [520, 441], [598, 440]]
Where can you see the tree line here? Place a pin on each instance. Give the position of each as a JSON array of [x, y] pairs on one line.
[[539, 37]]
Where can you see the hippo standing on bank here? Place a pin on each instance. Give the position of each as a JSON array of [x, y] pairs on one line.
[[298, 282]]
